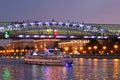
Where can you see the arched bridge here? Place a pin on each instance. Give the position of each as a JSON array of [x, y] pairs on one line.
[[53, 29]]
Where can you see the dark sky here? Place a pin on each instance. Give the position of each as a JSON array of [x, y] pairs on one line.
[[88, 11]]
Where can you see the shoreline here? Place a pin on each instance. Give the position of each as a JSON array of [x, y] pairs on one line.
[[97, 56]]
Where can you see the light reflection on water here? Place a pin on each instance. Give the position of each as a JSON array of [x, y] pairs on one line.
[[83, 69]]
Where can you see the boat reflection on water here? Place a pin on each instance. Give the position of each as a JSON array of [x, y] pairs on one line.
[[51, 73]]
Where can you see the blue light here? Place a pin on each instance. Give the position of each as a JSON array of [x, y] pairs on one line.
[[67, 64]]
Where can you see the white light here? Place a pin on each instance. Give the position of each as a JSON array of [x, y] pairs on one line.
[[60, 36], [55, 30], [105, 37], [86, 36], [16, 25], [24, 24], [40, 23], [102, 30], [81, 25], [92, 36], [9, 26], [60, 23], [21, 36], [88, 27], [99, 37], [50, 36], [32, 23], [42, 36], [67, 24], [47, 23], [36, 36], [74, 25], [27, 36], [53, 23], [72, 36], [118, 37], [2, 28]]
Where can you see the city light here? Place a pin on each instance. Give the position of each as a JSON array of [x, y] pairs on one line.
[[6, 34]]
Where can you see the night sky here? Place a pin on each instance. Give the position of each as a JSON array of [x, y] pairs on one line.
[[88, 11]]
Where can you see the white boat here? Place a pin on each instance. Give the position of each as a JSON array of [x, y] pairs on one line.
[[48, 57]]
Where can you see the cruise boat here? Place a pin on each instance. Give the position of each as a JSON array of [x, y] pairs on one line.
[[48, 57]]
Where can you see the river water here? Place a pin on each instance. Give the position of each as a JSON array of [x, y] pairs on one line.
[[82, 69]]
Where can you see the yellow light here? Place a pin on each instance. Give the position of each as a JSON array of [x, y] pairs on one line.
[[115, 46], [12, 50], [89, 48], [3, 51], [95, 47], [17, 50], [104, 47], [66, 48], [76, 48], [81, 48]]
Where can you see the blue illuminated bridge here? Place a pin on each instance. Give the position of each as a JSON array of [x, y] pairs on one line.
[[60, 30]]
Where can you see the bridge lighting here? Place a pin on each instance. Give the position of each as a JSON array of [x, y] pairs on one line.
[[2, 28], [6, 34], [72, 36], [60, 23], [81, 25], [21, 36], [9, 26], [88, 27], [92, 36], [24, 24], [53, 23], [40, 23], [16, 25], [47, 24], [86, 36], [67, 24], [36, 36], [102, 30], [55, 32], [27, 36], [32, 23], [42, 36], [74, 25]]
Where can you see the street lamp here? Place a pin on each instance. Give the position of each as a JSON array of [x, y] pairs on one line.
[[89, 48], [104, 48], [95, 47], [115, 47]]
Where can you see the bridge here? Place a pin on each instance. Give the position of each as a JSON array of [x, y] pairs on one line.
[[53, 29]]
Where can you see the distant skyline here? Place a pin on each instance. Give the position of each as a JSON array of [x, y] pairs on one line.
[[88, 11]]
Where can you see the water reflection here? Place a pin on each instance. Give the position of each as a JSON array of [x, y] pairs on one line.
[[83, 69], [51, 72]]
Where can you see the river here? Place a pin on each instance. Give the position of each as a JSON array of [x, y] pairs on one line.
[[82, 69]]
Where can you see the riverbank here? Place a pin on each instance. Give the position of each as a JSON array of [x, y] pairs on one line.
[[98, 56]]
